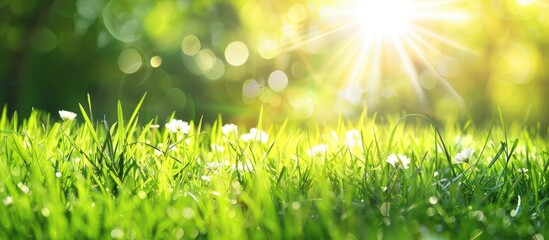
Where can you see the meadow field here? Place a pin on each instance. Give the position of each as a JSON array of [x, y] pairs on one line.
[[71, 176]]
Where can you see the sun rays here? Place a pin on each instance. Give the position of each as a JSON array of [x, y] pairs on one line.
[[379, 41]]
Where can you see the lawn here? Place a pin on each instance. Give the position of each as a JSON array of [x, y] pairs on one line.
[[376, 177]]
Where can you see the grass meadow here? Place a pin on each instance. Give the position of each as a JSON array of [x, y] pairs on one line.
[[75, 177]]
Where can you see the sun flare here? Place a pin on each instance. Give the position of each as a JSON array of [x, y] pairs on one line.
[[381, 18], [388, 46], [393, 40]]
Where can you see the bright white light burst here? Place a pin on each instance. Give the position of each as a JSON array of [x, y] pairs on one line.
[[398, 32], [384, 17], [388, 39]]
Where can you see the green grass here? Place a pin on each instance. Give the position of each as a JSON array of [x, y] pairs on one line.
[[85, 179]]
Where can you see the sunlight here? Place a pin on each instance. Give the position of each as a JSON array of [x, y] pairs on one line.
[[382, 52], [389, 17], [385, 42]]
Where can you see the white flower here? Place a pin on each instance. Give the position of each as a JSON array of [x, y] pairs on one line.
[[23, 187], [255, 135], [294, 158], [318, 151], [352, 138], [243, 167], [176, 125], [229, 129], [157, 152], [206, 178], [522, 170], [66, 115], [464, 156], [8, 201], [216, 165], [217, 148], [399, 160]]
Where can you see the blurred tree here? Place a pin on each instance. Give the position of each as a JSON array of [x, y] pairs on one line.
[[22, 22]]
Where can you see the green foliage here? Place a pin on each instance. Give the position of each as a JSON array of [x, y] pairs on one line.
[[100, 180]]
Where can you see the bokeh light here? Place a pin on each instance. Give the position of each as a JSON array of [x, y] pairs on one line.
[[121, 20], [156, 61], [205, 59], [217, 70], [297, 13], [250, 89], [130, 61], [428, 79], [515, 64], [268, 47], [236, 53], [89, 9], [448, 67], [190, 45], [44, 40], [278, 81], [302, 102]]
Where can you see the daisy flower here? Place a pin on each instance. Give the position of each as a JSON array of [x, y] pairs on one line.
[[255, 135], [352, 138], [318, 151], [176, 125], [400, 160], [464, 156], [217, 148], [8, 201], [66, 115], [243, 167], [229, 129]]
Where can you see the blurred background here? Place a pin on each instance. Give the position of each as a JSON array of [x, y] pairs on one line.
[[298, 59]]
